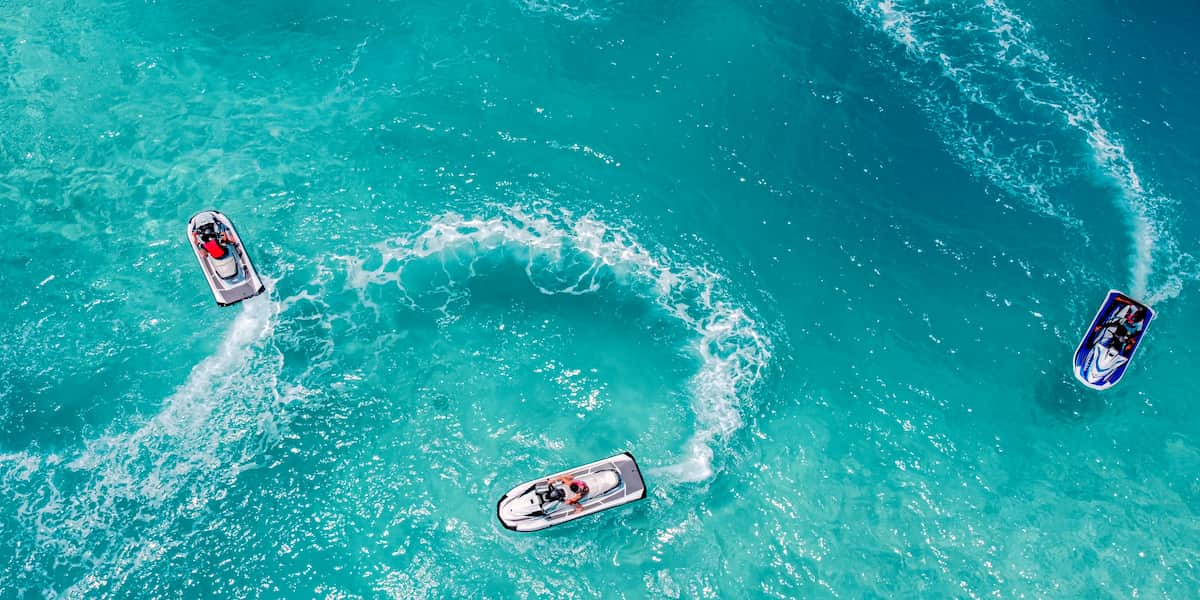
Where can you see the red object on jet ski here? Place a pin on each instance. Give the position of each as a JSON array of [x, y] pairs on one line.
[[214, 248]]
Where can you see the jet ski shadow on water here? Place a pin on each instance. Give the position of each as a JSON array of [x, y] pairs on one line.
[[1110, 341], [223, 258], [545, 502]]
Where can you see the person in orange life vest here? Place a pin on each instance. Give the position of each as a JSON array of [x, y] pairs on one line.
[[577, 487]]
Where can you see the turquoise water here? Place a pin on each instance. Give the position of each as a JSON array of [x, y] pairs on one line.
[[820, 266]]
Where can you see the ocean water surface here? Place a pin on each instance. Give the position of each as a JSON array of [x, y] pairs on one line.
[[821, 266]]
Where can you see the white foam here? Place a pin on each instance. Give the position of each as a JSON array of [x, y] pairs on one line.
[[571, 12], [98, 509], [565, 254], [994, 94]]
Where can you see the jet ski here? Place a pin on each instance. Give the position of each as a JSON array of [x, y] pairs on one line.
[[1110, 341], [543, 502], [223, 258]]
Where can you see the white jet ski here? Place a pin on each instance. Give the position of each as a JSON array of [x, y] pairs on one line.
[[223, 258], [542, 503]]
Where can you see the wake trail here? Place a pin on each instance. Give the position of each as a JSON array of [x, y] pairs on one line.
[[95, 515], [999, 102]]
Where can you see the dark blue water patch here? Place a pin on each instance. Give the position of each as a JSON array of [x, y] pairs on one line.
[[1149, 84], [1060, 396], [392, 339], [49, 411], [586, 323]]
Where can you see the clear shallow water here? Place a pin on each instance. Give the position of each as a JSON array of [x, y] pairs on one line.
[[819, 266]]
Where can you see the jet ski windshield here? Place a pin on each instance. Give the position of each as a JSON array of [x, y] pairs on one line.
[[549, 493], [206, 231]]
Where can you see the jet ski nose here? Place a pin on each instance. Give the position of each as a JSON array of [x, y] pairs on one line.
[[520, 507]]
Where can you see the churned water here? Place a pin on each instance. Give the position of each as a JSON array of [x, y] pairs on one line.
[[821, 266]]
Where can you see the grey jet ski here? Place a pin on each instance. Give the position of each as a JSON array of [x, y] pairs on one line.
[[594, 487], [223, 258]]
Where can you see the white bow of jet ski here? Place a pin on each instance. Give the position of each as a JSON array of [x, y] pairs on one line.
[[231, 277], [541, 503], [1103, 359]]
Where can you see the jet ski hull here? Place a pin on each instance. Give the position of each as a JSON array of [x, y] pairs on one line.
[[1101, 360], [614, 482], [232, 278]]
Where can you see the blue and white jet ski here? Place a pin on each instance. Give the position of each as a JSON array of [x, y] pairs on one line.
[[223, 258], [543, 502], [1110, 341]]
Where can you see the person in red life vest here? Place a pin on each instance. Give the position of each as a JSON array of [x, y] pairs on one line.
[[214, 248], [213, 243]]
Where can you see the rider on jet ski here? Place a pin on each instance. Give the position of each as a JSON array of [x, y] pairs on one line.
[[211, 241], [1126, 329], [577, 487]]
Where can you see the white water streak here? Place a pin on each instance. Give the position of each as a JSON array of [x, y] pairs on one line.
[[96, 513], [1002, 63]]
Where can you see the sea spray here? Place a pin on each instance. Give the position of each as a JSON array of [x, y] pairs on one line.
[[86, 510]]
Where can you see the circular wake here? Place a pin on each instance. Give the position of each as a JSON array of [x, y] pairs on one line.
[[564, 254]]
